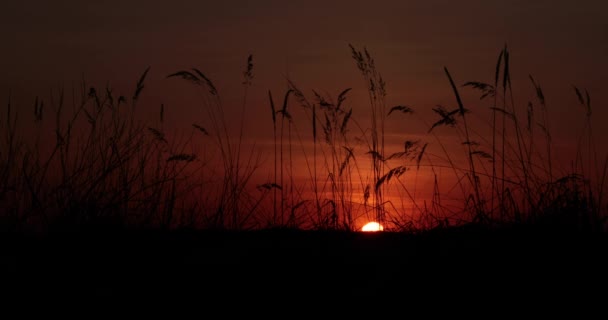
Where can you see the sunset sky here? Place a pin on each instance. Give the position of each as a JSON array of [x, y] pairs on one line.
[[52, 44]]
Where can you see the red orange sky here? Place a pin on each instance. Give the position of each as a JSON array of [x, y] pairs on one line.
[[51, 44]]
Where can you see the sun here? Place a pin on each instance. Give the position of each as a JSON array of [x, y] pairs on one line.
[[372, 227]]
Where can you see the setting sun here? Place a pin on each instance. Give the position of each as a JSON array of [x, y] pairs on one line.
[[372, 227]]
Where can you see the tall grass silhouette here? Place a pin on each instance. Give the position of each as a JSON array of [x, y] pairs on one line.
[[98, 166], [102, 168]]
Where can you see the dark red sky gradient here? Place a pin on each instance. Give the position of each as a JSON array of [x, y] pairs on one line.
[[51, 44], [55, 43]]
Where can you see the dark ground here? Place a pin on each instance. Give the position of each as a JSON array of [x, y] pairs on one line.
[[308, 270]]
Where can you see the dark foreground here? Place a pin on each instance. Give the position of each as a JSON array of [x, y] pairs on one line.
[[300, 270]]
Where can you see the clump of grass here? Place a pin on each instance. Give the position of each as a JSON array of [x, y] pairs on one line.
[[377, 93], [233, 206], [94, 167], [526, 184]]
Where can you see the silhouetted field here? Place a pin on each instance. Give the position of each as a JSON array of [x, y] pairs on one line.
[[117, 214], [305, 269]]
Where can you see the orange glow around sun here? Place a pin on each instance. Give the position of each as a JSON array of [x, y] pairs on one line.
[[372, 227]]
